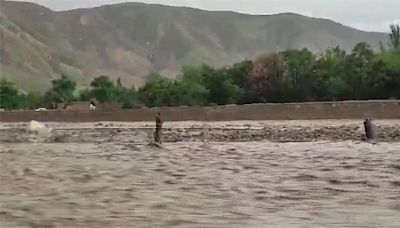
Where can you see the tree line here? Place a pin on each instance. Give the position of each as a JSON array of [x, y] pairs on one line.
[[289, 76]]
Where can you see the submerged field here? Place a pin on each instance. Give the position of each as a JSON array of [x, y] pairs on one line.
[[249, 174]]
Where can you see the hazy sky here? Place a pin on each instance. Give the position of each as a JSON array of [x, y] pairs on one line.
[[370, 15]]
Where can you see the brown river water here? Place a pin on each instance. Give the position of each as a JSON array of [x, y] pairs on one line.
[[106, 175]]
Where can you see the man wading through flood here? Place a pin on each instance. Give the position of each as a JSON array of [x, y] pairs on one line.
[[158, 132], [370, 129]]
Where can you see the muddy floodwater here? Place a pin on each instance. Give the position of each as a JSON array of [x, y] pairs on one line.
[[247, 174]]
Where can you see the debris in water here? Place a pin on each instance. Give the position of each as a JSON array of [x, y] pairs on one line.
[[39, 129]]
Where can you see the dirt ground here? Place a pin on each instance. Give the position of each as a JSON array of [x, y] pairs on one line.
[[106, 175]]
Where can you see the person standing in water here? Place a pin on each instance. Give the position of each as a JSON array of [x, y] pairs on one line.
[[370, 129], [158, 132]]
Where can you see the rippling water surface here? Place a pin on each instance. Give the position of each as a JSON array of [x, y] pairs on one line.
[[236, 184]]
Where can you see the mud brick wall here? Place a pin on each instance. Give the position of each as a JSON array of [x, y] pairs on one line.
[[289, 111]]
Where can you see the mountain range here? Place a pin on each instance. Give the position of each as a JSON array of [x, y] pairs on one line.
[[131, 40]]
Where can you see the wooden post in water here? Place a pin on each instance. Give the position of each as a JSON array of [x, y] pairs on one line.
[[206, 132], [158, 131], [206, 136]]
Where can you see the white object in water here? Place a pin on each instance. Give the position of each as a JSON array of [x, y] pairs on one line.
[[92, 107], [41, 109], [39, 129]]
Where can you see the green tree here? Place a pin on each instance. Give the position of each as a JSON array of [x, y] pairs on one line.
[[335, 87], [126, 97], [103, 89], [221, 89], [240, 73], [330, 71], [156, 91], [62, 90], [384, 76], [191, 86], [9, 95], [358, 66], [394, 36], [84, 95], [33, 100], [384, 79], [299, 75]]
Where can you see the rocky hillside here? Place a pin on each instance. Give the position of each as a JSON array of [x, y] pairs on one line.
[[132, 39]]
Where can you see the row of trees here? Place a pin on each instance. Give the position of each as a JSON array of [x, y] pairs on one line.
[[290, 76], [64, 91]]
